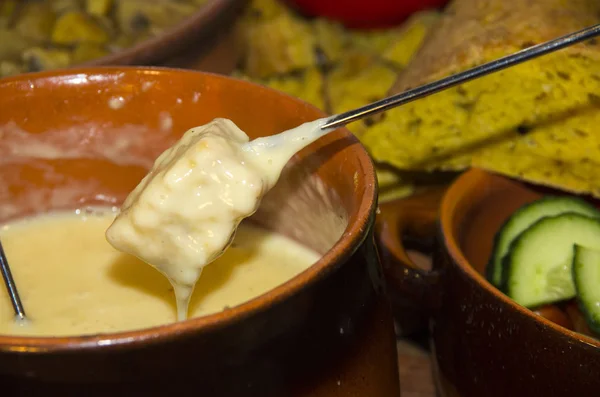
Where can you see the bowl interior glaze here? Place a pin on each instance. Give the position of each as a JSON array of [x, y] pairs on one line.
[[473, 210], [87, 137]]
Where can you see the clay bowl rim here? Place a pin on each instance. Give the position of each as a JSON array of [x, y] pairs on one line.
[[458, 190], [192, 24], [353, 236]]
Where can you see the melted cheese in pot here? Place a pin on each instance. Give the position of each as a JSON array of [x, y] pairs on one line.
[[72, 282], [184, 213]]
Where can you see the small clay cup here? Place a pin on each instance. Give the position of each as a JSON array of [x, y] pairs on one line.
[[482, 343], [83, 137]]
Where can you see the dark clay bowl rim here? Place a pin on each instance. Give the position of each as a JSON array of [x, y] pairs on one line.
[[167, 39], [352, 237], [458, 190]]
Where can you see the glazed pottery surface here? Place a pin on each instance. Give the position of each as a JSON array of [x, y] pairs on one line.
[[326, 332], [483, 344]]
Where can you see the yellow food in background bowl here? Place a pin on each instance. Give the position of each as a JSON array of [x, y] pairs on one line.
[[52, 34]]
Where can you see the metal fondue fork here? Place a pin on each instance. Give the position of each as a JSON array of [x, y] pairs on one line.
[[11, 287], [462, 77]]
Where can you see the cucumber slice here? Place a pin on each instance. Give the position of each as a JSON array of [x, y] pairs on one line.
[[540, 259], [586, 275], [525, 217]]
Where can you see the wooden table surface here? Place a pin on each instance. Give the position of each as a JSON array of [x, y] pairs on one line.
[[415, 369], [416, 379]]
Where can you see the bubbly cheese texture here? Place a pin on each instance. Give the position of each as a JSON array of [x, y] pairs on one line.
[[73, 282], [184, 213], [186, 209]]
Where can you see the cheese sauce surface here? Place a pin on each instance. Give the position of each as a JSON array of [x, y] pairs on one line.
[[184, 213], [73, 282]]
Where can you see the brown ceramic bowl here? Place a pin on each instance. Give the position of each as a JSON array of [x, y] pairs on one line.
[[326, 332], [483, 344], [204, 41]]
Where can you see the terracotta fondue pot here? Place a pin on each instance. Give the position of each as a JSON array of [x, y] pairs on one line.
[[326, 332], [483, 343]]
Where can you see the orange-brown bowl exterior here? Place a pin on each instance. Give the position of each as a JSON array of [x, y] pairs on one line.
[[326, 332], [483, 343]]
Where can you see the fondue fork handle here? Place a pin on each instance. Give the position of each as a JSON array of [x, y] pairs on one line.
[[459, 78], [11, 287]]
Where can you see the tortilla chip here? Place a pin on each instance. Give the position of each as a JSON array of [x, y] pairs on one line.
[[395, 192], [409, 38], [355, 81], [264, 10], [276, 41], [306, 85], [475, 123], [331, 40], [564, 153], [392, 185], [396, 45], [280, 45]]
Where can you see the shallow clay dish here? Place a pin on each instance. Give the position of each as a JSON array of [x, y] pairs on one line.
[[483, 344], [204, 41], [326, 332]]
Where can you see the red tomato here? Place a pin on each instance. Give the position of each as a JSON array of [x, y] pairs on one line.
[[364, 13]]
